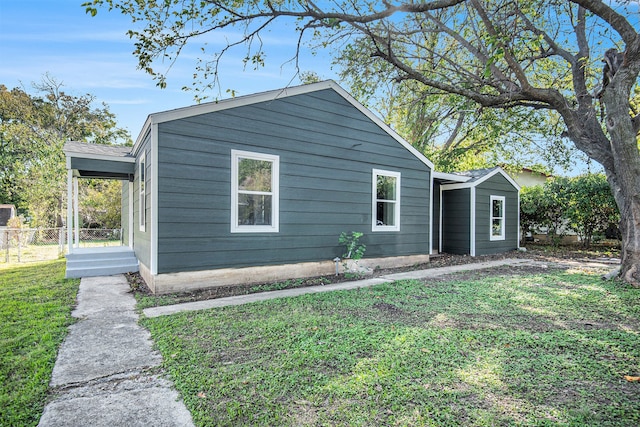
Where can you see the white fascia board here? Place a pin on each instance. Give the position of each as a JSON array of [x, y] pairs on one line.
[[447, 187], [225, 104], [210, 107], [385, 127], [450, 177], [145, 129], [498, 170]]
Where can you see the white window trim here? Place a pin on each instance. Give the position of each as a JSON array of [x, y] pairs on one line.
[[503, 218], [374, 200], [142, 192], [275, 193]]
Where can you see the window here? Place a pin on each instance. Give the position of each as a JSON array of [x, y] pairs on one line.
[[497, 218], [142, 200], [386, 201], [254, 192]]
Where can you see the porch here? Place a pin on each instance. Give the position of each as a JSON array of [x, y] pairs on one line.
[[101, 162]]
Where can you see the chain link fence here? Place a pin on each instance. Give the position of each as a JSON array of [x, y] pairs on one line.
[[41, 244]]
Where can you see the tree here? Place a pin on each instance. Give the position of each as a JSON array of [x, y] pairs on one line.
[[591, 208], [451, 130], [100, 203], [583, 204], [541, 55], [33, 130], [556, 196], [531, 211]]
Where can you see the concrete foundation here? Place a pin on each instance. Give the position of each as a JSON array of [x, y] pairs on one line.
[[205, 279]]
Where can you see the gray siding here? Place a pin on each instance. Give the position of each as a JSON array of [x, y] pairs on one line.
[[456, 221], [497, 185], [142, 239], [327, 151]]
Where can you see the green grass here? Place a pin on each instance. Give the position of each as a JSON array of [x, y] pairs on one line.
[[35, 311], [535, 349]]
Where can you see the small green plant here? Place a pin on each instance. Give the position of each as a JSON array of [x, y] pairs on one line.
[[353, 248]]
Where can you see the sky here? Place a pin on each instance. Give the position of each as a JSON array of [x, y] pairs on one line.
[[93, 55]]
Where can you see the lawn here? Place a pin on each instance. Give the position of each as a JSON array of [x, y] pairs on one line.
[[544, 347], [35, 311]]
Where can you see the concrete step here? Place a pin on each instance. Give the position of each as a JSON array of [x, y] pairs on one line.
[[89, 262], [101, 262], [99, 253], [85, 271]]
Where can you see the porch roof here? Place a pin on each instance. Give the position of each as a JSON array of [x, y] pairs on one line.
[[99, 161]]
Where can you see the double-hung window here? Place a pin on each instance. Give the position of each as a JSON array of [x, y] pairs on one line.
[[142, 195], [254, 192], [386, 201], [497, 218]]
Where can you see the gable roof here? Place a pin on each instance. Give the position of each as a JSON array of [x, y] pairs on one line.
[[472, 178], [210, 107]]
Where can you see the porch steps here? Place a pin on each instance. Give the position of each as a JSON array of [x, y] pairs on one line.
[[107, 261]]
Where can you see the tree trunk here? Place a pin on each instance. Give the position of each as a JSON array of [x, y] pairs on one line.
[[629, 205], [630, 229], [624, 179]]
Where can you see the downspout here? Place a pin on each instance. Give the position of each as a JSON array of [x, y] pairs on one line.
[[472, 225], [518, 216], [441, 223], [431, 212]]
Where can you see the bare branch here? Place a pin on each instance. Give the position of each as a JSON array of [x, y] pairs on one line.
[[618, 22]]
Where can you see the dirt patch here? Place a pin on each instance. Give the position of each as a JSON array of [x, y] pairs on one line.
[[554, 259]]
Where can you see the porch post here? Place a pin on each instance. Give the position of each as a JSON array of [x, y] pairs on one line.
[[130, 219], [70, 209], [75, 212]]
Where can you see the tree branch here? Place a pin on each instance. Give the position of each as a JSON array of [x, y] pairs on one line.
[[618, 22]]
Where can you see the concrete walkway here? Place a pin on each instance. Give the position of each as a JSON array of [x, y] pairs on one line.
[[107, 373], [244, 299]]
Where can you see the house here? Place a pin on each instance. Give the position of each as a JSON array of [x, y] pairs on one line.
[[259, 187], [478, 212]]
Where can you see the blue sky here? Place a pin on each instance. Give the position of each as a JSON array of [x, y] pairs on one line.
[[93, 55]]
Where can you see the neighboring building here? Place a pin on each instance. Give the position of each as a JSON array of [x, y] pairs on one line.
[[530, 178], [258, 188], [6, 213]]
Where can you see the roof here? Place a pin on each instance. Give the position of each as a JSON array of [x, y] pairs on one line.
[[99, 161], [98, 151], [476, 174], [474, 177], [210, 107]]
